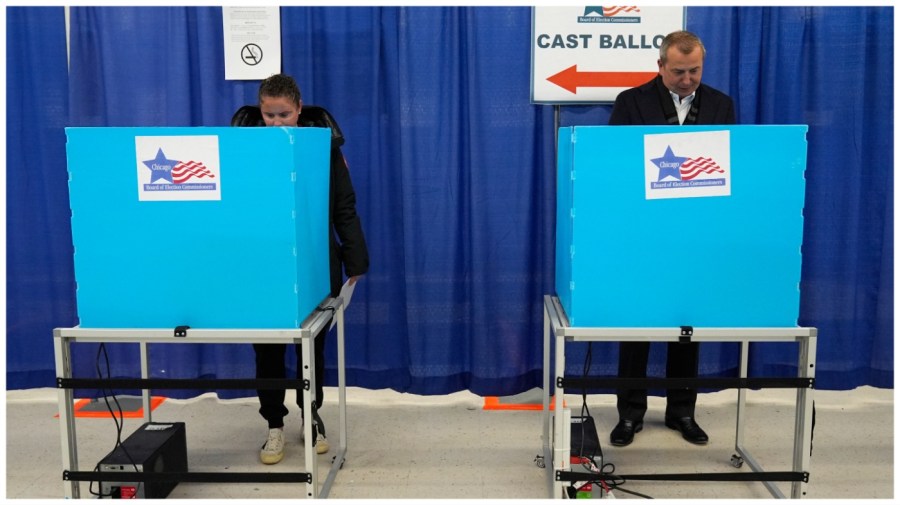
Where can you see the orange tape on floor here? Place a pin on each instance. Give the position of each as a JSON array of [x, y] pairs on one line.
[[155, 401], [493, 403]]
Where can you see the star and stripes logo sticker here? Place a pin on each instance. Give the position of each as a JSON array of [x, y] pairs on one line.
[[619, 9], [610, 14], [174, 171], [682, 168], [692, 164], [181, 168]]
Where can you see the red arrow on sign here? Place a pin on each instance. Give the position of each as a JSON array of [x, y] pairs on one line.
[[571, 79]]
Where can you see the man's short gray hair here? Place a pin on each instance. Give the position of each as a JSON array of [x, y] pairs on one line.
[[683, 40]]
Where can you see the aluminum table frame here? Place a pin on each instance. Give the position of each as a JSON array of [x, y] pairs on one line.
[[557, 333], [303, 336]]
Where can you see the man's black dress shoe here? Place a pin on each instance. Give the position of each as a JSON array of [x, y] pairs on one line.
[[623, 433], [689, 429]]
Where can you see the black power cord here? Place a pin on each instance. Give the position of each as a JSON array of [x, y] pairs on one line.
[[604, 471], [120, 424]]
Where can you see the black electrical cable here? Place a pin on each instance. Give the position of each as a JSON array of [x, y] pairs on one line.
[[119, 422], [635, 493], [585, 411], [332, 308], [609, 480], [587, 462], [604, 470]]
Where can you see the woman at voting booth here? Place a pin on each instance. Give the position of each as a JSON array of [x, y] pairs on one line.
[[280, 105]]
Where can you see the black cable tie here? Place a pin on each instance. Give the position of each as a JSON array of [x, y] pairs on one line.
[[685, 382], [75, 383], [722, 477], [570, 476], [181, 331], [282, 477], [332, 308]]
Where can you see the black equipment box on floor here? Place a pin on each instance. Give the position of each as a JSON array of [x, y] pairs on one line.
[[584, 440], [154, 447]]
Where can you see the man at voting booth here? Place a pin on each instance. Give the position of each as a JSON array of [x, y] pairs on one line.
[[280, 105], [674, 97]]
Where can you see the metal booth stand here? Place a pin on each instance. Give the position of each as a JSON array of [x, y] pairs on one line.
[[556, 427], [303, 336]]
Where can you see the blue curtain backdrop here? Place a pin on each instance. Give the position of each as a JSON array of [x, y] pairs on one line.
[[40, 277], [455, 177]]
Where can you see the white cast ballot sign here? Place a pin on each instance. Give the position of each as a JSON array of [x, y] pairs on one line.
[[591, 54]]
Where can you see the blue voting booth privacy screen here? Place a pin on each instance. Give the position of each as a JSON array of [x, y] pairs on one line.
[[205, 227], [661, 226]]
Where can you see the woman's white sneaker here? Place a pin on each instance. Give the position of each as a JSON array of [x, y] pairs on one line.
[[273, 450], [321, 444]]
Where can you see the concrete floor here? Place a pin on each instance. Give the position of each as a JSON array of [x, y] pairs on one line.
[[408, 446]]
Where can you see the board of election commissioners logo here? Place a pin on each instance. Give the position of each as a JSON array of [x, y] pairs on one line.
[[599, 14], [178, 167], [173, 175], [687, 164], [685, 172]]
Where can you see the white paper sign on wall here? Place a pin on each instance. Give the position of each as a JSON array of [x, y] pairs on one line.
[[252, 37]]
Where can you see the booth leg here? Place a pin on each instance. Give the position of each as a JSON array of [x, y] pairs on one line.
[[338, 461], [309, 386], [741, 399], [546, 457], [560, 421], [62, 351], [145, 374], [806, 367]]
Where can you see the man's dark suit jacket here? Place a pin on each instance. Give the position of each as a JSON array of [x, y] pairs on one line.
[[641, 106]]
